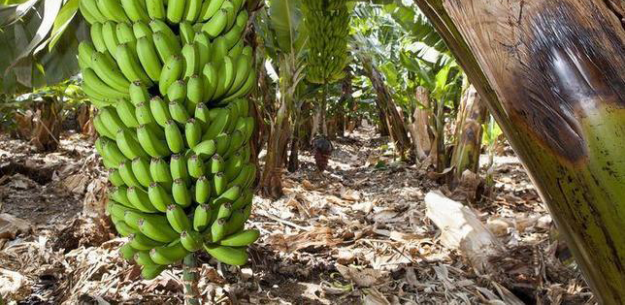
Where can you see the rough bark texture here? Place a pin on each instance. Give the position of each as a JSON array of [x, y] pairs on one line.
[[271, 178], [552, 75], [471, 115], [386, 105], [419, 125]]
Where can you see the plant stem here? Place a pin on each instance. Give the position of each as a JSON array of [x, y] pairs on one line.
[[190, 278]]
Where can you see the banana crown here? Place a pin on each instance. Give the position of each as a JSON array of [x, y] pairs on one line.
[[169, 78]]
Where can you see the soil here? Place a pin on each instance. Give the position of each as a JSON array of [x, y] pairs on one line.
[[355, 234]]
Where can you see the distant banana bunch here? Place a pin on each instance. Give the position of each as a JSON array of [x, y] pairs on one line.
[[327, 22], [170, 78]]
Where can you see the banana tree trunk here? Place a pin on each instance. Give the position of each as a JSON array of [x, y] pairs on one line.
[[271, 178], [551, 73], [420, 124], [471, 116], [393, 119]]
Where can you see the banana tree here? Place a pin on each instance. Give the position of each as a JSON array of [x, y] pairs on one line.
[[284, 39], [551, 73]]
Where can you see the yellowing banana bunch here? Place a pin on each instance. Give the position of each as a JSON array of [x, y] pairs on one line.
[[327, 22], [170, 78]]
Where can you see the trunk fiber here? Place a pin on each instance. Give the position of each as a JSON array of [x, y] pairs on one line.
[[551, 73]]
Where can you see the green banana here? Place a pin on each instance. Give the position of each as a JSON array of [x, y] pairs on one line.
[[181, 193], [128, 145], [111, 119], [191, 54], [243, 68], [203, 43], [151, 272], [202, 190], [205, 149], [191, 240], [237, 140], [141, 169], [234, 165], [236, 50], [243, 106], [240, 239], [227, 255], [210, 8], [152, 145], [108, 71], [112, 152], [112, 10], [178, 167], [175, 10], [202, 217], [116, 208], [177, 93], [141, 29], [218, 229], [195, 91], [138, 93], [90, 7], [230, 14], [142, 243], [172, 71], [178, 111], [160, 111], [192, 10], [237, 220], [216, 24], [220, 49], [219, 184], [143, 114], [125, 34], [140, 200], [229, 196], [114, 177], [243, 200], [130, 65], [177, 218], [127, 252], [101, 128], [224, 211], [174, 138], [226, 71], [85, 51], [160, 26], [202, 115], [142, 258], [218, 124], [133, 218], [210, 81], [92, 80], [109, 34], [216, 164], [149, 58], [159, 169], [187, 33], [223, 142], [156, 9], [134, 10], [97, 38], [169, 254], [164, 47], [192, 132], [157, 230], [126, 112], [159, 197], [245, 88], [195, 166], [123, 229]]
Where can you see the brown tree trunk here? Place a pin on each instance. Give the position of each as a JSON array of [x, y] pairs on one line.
[[392, 117], [420, 124], [551, 72], [271, 178], [471, 116]]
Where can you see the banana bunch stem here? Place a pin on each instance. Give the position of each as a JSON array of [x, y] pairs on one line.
[[190, 279]]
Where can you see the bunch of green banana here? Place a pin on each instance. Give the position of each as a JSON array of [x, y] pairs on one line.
[[327, 22], [169, 78]]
